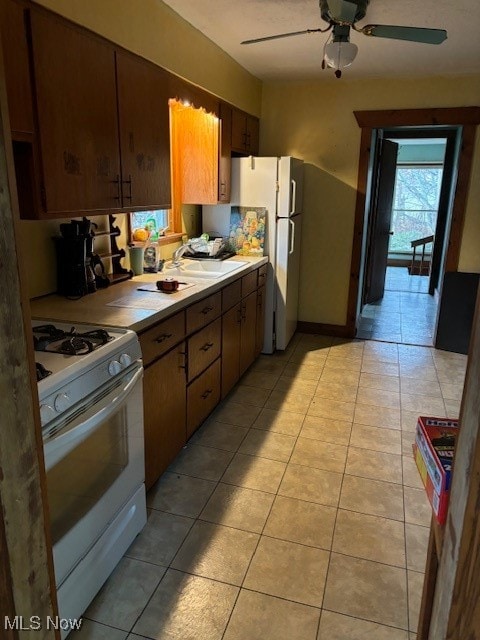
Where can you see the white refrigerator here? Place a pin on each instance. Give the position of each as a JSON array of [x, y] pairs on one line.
[[277, 185]]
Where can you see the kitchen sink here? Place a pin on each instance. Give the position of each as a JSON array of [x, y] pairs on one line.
[[206, 269]]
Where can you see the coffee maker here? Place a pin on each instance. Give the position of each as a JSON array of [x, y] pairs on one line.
[[74, 249]]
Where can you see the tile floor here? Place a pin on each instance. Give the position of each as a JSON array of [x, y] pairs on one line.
[[296, 511], [406, 314]]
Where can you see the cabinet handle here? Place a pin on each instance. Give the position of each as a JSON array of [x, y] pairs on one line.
[[222, 189], [129, 182], [163, 337], [185, 361], [206, 346], [206, 393], [206, 310], [117, 182], [239, 316]]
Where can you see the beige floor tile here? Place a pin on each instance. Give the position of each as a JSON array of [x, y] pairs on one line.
[[219, 435], [411, 475], [186, 607], [125, 594], [334, 626], [254, 473], [417, 507], [347, 347], [335, 431], [376, 381], [268, 444], [238, 507], [452, 408], [336, 391], [417, 544], [364, 536], [312, 485], [260, 380], [306, 387], [376, 439], [289, 401], [319, 454], [161, 538], [378, 397], [331, 374], [420, 387], [235, 413], [308, 356], [424, 405], [268, 364], [288, 570], [417, 370], [303, 371], [333, 409], [408, 438], [353, 589], [374, 464], [384, 417], [380, 368], [287, 422], [303, 522], [260, 617], [381, 351], [201, 462], [451, 391], [183, 495], [96, 631], [415, 586], [414, 351], [409, 420], [216, 552], [373, 497], [341, 363], [245, 395]]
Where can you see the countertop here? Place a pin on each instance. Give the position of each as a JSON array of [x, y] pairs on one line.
[[120, 305]]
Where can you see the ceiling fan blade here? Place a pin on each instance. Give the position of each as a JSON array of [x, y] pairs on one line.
[[413, 34], [342, 10], [285, 35]]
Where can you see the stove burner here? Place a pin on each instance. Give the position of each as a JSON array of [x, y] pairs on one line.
[[41, 371], [70, 342]]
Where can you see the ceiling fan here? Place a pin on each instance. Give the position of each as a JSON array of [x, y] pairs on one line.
[[343, 15]]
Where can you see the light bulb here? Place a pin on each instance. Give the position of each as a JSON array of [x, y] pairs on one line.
[[340, 54]]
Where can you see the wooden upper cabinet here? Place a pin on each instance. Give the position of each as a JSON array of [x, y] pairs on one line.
[[143, 92], [77, 117], [225, 153], [245, 133], [186, 92], [16, 65]]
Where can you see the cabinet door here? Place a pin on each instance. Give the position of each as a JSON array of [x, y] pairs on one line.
[[252, 135], [203, 395], [143, 94], [247, 339], [77, 117], [225, 154], [239, 131], [164, 395], [203, 348], [231, 327], [260, 321]]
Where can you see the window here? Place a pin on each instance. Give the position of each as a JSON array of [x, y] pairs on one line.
[[415, 204], [157, 222]]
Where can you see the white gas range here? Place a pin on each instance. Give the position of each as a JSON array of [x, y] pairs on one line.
[[91, 408]]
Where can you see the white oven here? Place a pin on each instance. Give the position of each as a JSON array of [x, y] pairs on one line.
[[92, 419]]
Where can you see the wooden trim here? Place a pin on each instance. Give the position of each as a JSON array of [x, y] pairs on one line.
[[338, 330], [453, 116], [7, 605]]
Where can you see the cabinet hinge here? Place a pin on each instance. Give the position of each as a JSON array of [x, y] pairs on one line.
[[277, 186]]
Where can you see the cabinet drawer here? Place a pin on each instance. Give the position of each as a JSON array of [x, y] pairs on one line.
[[249, 283], [231, 294], [203, 312], [203, 396], [203, 348], [162, 337], [262, 276]]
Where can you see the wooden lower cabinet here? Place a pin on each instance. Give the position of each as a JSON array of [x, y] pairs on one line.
[[260, 321], [248, 331], [164, 391], [203, 395], [231, 330]]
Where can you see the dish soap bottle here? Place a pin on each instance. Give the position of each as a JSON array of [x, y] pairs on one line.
[[150, 258]]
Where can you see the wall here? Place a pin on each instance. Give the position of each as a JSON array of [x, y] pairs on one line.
[[315, 121]]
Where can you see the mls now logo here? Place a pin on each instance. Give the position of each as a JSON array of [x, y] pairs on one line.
[[34, 623]]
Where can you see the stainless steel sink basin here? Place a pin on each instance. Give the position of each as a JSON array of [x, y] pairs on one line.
[[206, 269]]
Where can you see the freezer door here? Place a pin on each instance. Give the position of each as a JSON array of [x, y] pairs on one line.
[[289, 232], [290, 187]]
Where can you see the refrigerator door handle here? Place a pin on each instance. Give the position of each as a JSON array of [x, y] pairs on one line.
[[292, 237], [293, 197]]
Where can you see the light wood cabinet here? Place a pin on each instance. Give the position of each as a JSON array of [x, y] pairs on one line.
[[245, 133], [225, 153]]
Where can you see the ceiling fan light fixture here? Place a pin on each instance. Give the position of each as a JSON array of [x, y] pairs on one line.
[[340, 54]]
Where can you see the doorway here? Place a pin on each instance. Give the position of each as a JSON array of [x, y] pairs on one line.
[[411, 186]]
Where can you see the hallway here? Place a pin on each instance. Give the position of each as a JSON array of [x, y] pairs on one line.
[[296, 511]]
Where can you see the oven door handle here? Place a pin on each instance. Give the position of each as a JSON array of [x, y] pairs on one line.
[[63, 441]]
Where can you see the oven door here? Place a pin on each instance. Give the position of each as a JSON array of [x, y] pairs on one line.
[[94, 457]]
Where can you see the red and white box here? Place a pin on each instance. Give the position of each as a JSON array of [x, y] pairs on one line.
[[433, 452]]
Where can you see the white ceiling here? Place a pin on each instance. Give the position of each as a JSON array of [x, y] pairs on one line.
[[228, 22]]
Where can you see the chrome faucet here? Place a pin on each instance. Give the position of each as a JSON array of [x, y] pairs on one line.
[[178, 253]]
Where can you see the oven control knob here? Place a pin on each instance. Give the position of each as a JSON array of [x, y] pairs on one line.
[[125, 360], [61, 402], [114, 367], [47, 413]]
